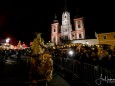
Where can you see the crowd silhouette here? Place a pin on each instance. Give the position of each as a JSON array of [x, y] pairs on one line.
[[102, 56]]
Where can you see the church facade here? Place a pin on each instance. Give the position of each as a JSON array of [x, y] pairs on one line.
[[65, 31]]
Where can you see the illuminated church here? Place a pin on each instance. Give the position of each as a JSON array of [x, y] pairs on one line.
[[65, 31]]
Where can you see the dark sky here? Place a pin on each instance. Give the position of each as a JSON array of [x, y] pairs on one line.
[[19, 20]]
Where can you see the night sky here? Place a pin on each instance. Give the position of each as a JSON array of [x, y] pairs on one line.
[[19, 20]]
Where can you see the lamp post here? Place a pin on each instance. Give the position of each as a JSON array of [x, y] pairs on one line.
[[7, 40], [7, 43], [71, 53]]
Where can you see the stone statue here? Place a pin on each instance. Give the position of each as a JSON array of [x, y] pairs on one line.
[[38, 46], [41, 63]]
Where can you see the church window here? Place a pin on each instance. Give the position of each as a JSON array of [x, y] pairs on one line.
[[65, 16], [114, 36], [72, 35], [79, 26], [104, 37], [54, 30], [79, 35]]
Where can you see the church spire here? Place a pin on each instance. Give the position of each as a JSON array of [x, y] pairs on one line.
[[55, 18], [77, 13], [65, 6]]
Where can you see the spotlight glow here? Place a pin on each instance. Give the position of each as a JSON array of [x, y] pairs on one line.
[[7, 40], [71, 52]]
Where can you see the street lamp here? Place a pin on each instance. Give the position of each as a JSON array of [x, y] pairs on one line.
[[7, 40], [71, 52], [7, 45]]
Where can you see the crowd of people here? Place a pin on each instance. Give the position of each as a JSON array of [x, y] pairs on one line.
[[95, 55], [13, 53]]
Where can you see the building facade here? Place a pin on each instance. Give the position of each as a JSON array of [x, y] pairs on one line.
[[107, 38], [65, 31]]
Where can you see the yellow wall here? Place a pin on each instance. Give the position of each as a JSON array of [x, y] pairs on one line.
[[110, 38]]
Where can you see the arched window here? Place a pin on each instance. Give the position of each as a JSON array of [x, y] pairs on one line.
[[79, 26], [79, 35], [54, 30], [104, 37]]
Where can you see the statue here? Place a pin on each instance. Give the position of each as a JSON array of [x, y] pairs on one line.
[[38, 46], [41, 63]]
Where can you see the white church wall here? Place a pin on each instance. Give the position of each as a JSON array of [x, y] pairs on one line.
[[86, 41]]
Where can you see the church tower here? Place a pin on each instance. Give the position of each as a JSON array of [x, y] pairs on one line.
[[79, 28], [55, 31], [66, 26], [65, 32]]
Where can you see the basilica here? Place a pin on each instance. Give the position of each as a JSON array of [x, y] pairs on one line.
[[65, 31]]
